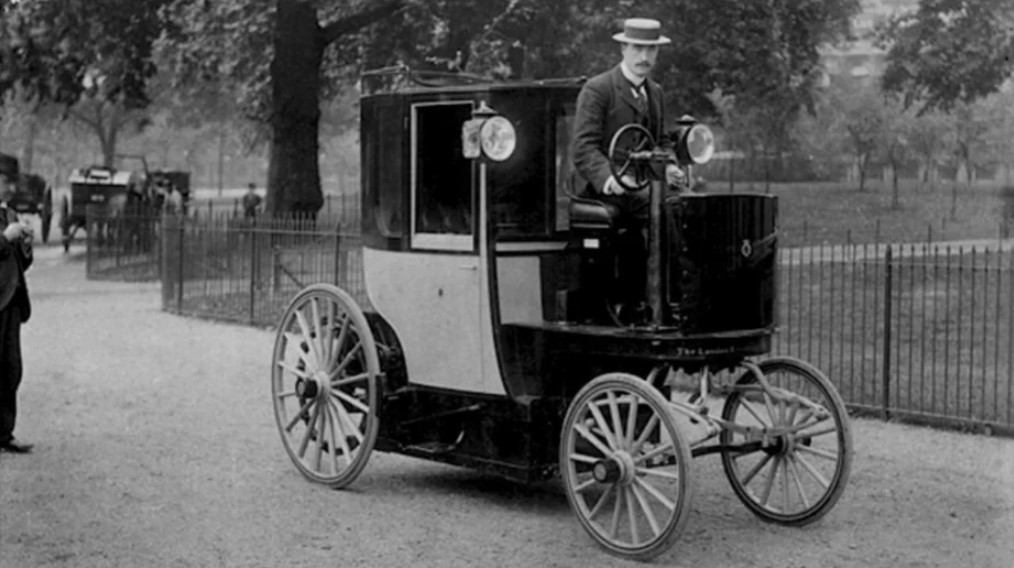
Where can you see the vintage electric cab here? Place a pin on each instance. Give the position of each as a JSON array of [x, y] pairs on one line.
[[487, 337]]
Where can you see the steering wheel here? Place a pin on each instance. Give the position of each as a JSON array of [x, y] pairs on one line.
[[631, 138]]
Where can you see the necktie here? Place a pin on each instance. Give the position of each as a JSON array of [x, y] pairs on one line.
[[641, 97]]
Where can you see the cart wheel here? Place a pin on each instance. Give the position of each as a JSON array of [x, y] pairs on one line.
[[626, 466], [324, 382], [799, 475]]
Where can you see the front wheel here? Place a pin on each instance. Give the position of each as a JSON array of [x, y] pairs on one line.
[[795, 461], [324, 385], [626, 466]]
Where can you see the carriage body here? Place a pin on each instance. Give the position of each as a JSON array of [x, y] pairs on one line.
[[485, 341]]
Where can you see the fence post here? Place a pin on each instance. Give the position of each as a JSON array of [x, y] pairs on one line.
[[888, 277], [254, 268], [338, 256], [180, 265]]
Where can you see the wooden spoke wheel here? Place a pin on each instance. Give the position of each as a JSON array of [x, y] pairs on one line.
[[796, 461], [324, 384], [626, 466]]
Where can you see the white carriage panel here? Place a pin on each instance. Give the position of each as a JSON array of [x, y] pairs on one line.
[[436, 305], [520, 289]]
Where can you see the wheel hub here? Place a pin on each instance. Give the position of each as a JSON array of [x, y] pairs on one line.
[[618, 467], [312, 386]]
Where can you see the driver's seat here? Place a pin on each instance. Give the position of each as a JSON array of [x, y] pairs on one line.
[[591, 217]]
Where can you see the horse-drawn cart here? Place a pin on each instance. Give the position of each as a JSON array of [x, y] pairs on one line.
[[490, 341]]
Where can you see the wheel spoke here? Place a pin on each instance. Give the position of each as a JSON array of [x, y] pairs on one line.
[[332, 448], [349, 380], [294, 339], [319, 435], [293, 370], [649, 428], [632, 517], [309, 428], [600, 421], [794, 467], [766, 494], [786, 506], [286, 394], [602, 501], [581, 429], [616, 512], [755, 470], [345, 421], [749, 408], [351, 400], [585, 485], [319, 337], [817, 476], [614, 409], [832, 429], [642, 502], [833, 456], [648, 455], [583, 458], [299, 415], [343, 436], [657, 473], [632, 420], [339, 343], [348, 359], [654, 492], [305, 329]]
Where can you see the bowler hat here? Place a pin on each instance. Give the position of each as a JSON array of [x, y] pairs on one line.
[[9, 166], [642, 31]]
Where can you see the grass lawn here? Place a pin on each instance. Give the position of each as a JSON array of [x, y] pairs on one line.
[[837, 213]]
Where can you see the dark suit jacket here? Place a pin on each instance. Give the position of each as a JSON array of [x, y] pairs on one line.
[[606, 104], [14, 260]]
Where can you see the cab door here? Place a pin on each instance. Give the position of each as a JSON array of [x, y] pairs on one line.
[[431, 294]]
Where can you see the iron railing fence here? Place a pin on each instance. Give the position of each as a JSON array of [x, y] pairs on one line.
[[246, 270], [923, 332], [123, 247]]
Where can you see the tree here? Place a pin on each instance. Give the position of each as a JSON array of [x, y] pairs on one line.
[[861, 123], [928, 136], [949, 51], [275, 52]]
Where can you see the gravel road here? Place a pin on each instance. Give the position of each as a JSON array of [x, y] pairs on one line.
[[156, 446]]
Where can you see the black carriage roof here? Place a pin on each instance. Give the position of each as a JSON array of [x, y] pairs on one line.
[[402, 80]]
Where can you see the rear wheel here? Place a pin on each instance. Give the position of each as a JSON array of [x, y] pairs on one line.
[[799, 453], [626, 466], [324, 385]]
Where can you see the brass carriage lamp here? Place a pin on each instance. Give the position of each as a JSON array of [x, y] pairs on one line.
[[488, 134], [694, 142]]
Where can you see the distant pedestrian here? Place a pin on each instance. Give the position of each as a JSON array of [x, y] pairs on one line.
[[251, 201], [15, 307]]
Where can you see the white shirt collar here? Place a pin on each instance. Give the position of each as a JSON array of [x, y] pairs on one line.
[[634, 79]]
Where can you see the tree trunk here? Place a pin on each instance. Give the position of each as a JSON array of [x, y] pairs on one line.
[[293, 172], [895, 195]]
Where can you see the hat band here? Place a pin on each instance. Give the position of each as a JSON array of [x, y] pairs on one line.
[[641, 34]]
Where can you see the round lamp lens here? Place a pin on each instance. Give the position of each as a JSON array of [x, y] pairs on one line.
[[700, 144], [498, 138]]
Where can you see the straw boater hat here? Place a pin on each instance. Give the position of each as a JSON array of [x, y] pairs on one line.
[[642, 31]]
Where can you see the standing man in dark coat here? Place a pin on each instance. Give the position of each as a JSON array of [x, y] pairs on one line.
[[15, 307], [623, 95]]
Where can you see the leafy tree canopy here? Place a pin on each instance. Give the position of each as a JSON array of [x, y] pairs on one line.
[[60, 50], [949, 51]]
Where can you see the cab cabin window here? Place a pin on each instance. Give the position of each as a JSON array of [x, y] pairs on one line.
[[530, 191], [443, 215]]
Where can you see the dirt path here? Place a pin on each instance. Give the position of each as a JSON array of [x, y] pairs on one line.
[[157, 447]]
